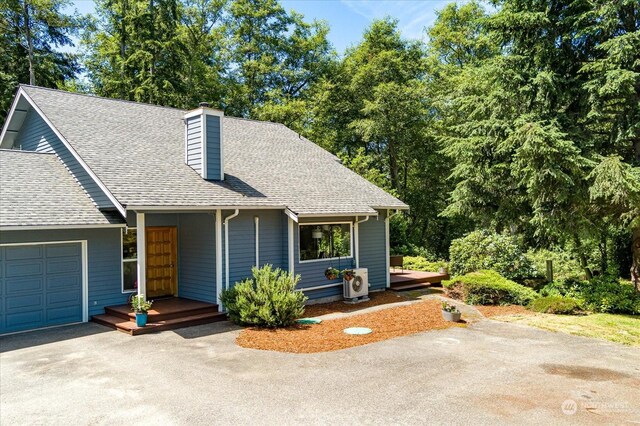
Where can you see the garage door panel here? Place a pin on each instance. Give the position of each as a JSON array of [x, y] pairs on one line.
[[24, 303], [63, 314], [41, 286], [63, 250], [64, 281], [16, 286], [23, 268], [63, 265], [24, 320], [24, 252]]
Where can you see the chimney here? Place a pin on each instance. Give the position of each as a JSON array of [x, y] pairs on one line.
[[203, 142]]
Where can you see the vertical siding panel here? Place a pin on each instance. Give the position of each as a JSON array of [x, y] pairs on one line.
[[193, 143], [197, 257], [372, 251], [213, 147]]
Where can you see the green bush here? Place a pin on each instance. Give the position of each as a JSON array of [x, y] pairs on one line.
[[488, 288], [480, 250], [555, 305], [269, 299], [600, 294], [564, 265], [419, 263]]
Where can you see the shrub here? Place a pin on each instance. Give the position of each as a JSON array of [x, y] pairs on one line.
[[555, 305], [564, 265], [419, 263], [600, 294], [480, 250], [488, 288], [269, 299]]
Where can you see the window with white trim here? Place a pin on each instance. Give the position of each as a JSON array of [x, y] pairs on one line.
[[324, 241], [129, 260]]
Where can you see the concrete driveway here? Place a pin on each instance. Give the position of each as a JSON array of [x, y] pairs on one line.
[[488, 373]]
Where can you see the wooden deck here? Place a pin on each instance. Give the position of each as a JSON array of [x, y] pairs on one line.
[[412, 280], [165, 314]]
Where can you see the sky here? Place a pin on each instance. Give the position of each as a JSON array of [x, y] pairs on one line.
[[349, 18]]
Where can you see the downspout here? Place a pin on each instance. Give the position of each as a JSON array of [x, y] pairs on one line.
[[256, 219], [356, 237], [226, 247]]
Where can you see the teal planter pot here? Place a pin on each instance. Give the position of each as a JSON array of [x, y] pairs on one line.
[[141, 319]]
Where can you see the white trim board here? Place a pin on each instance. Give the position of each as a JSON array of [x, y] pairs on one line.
[[84, 259], [55, 227]]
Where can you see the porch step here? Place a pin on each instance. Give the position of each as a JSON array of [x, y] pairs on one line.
[[414, 286], [129, 326], [165, 309]]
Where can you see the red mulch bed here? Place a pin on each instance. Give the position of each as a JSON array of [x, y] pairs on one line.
[[375, 299], [496, 311], [329, 335]]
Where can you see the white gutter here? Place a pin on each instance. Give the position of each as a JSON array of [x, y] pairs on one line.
[[356, 237], [226, 247], [201, 208]]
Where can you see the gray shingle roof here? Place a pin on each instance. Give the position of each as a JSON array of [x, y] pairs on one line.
[[137, 150], [37, 190]]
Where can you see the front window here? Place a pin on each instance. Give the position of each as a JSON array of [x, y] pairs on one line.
[[129, 260], [325, 241]]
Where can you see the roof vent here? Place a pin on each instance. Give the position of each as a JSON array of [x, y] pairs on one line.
[[203, 104]]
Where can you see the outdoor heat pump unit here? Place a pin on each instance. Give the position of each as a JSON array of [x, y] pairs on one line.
[[358, 286]]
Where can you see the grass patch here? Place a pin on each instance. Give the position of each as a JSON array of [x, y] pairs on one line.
[[617, 328]]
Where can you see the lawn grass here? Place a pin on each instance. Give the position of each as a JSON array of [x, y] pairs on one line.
[[616, 328]]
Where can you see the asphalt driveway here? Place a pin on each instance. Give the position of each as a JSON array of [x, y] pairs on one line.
[[487, 373]]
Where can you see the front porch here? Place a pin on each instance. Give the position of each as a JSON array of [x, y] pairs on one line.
[[413, 280], [165, 314]]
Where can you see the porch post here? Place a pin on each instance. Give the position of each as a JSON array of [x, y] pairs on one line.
[[219, 258], [386, 249], [291, 246], [142, 254], [356, 242]]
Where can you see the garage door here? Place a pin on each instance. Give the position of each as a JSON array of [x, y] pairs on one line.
[[40, 286]]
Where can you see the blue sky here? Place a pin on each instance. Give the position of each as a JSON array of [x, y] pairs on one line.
[[348, 18]]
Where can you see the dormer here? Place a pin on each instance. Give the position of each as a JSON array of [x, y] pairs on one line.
[[204, 142]]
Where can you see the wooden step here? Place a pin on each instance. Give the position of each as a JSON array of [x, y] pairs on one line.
[[130, 327], [414, 286], [164, 310]]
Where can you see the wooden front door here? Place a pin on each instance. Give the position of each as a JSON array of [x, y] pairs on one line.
[[162, 261]]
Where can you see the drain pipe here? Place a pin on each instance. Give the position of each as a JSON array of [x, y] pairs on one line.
[[356, 237], [226, 247], [387, 244]]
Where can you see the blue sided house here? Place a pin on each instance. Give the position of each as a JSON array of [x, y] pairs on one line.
[[101, 198]]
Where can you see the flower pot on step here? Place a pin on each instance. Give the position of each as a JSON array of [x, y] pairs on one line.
[[141, 319], [451, 316]]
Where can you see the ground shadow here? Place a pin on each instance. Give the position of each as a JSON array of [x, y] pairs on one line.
[[205, 330], [27, 339]]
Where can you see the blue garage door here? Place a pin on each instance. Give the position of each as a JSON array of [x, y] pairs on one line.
[[40, 286]]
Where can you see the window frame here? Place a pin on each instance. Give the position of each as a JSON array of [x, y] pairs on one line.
[[351, 247], [123, 260]]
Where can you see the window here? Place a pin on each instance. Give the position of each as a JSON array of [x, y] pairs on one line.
[[325, 241], [129, 260]]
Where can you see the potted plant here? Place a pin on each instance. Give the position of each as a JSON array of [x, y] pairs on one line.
[[450, 312], [348, 274], [331, 273], [443, 270], [140, 306]]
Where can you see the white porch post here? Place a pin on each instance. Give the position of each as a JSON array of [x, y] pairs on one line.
[[291, 246], [387, 249], [142, 254], [219, 258]]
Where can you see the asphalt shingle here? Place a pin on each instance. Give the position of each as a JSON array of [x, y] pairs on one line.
[[137, 150]]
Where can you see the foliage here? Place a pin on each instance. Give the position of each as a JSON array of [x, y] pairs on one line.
[[555, 305], [448, 307], [418, 263], [488, 288], [600, 294], [139, 304], [33, 32], [564, 264], [331, 273], [486, 250], [269, 299]]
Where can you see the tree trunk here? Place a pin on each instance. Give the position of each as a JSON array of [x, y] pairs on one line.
[[582, 257], [635, 265], [604, 260], [27, 30]]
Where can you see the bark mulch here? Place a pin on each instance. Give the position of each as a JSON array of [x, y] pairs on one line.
[[329, 335], [497, 311], [376, 299]]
